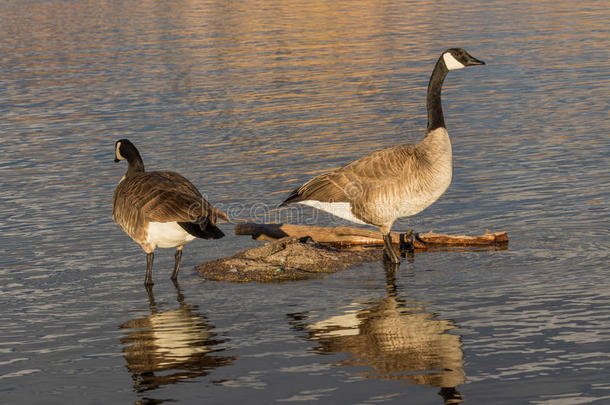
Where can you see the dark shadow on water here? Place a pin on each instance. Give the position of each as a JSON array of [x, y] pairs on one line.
[[168, 347], [150, 401], [393, 339]]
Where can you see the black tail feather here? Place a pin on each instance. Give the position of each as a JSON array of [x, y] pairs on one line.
[[208, 232], [293, 197]]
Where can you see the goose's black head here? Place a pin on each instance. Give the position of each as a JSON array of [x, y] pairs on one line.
[[124, 149], [457, 58]]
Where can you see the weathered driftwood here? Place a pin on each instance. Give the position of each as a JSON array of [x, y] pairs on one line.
[[345, 235], [299, 252], [288, 258]]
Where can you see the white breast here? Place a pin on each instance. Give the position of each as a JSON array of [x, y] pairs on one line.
[[338, 209], [167, 234]]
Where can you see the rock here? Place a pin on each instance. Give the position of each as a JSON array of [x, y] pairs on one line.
[[289, 258]]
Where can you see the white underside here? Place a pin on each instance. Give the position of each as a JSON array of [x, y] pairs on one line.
[[167, 234], [338, 209]]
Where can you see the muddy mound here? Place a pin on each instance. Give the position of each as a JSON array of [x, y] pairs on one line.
[[290, 258]]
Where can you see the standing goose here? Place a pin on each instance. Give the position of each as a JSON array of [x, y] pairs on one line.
[[397, 181], [160, 209]]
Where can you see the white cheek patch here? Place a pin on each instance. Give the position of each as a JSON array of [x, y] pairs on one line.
[[118, 151], [451, 62]]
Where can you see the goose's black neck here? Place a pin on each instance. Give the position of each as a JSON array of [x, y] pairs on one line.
[[433, 101], [135, 163]]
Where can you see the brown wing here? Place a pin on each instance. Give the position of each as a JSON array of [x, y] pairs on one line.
[[177, 182], [370, 174], [184, 186], [160, 197]]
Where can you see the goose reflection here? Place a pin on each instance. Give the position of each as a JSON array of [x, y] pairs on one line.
[[170, 346], [398, 340]]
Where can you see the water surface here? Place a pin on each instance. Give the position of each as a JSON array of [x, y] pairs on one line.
[[248, 100]]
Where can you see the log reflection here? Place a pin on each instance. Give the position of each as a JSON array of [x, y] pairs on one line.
[[396, 339], [170, 346]]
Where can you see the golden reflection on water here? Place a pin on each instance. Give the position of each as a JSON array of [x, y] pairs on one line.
[[170, 346], [396, 339]]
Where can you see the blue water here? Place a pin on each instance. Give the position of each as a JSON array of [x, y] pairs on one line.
[[250, 99]]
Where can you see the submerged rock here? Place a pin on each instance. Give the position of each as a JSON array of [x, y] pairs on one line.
[[289, 258]]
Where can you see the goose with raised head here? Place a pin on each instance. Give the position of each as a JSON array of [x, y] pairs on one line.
[[160, 209], [394, 182]]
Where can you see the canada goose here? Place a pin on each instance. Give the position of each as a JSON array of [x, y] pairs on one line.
[[397, 181], [160, 209]]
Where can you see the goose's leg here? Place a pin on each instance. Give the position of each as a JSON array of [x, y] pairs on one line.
[[177, 259], [388, 249], [149, 263]]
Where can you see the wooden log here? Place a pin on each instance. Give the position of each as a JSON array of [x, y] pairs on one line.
[[346, 235]]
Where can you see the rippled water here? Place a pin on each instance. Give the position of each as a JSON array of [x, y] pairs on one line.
[[249, 99]]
